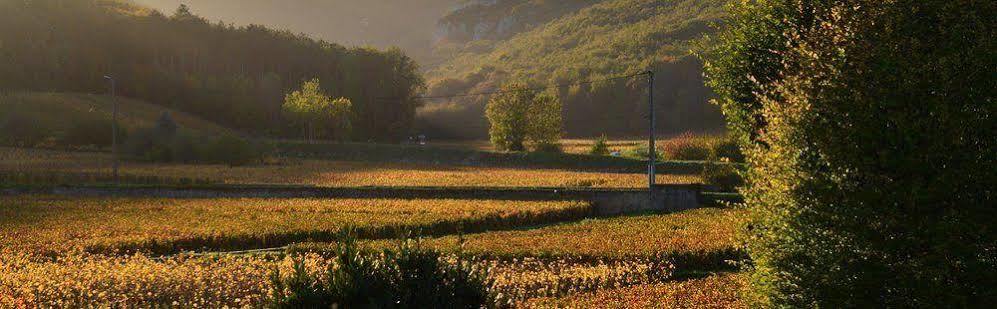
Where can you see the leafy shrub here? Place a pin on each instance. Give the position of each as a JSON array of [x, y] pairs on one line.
[[686, 147], [601, 147], [410, 277], [93, 132], [872, 170]]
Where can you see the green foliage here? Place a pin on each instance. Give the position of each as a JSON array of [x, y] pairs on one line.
[[869, 129], [519, 115], [410, 277], [235, 76], [600, 147], [318, 115]]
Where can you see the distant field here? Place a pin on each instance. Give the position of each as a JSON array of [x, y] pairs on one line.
[[574, 146], [335, 173], [58, 111], [55, 224]]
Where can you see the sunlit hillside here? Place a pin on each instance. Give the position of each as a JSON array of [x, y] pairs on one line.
[[605, 39]]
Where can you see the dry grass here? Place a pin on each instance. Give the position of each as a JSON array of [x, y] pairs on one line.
[[334, 173], [56, 224], [717, 291]]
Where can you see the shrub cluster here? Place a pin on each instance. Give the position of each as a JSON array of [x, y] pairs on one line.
[[410, 277], [600, 147]]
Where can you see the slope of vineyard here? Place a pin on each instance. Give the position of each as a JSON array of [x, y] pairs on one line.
[[605, 39]]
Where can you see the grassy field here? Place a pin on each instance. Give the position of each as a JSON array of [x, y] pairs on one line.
[[47, 225], [334, 173]]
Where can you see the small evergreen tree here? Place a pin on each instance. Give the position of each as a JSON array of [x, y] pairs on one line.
[[601, 147]]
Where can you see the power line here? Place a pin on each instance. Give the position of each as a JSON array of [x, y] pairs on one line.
[[494, 92]]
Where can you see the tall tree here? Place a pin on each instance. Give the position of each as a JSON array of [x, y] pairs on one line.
[[519, 115], [869, 128], [318, 115]]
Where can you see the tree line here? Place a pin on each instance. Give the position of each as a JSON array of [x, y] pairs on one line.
[[235, 76]]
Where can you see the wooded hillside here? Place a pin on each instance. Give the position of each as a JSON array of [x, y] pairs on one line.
[[236, 76]]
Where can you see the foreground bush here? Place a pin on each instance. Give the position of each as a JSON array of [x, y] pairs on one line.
[[410, 277], [871, 135]]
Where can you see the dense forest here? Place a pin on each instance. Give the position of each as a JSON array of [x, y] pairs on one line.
[[603, 39], [236, 76]]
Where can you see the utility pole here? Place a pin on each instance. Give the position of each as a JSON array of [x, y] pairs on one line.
[[651, 151], [114, 128]]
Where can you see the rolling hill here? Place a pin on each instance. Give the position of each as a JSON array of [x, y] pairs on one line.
[[52, 114]]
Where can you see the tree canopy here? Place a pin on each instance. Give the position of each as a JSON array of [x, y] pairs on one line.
[[869, 129], [317, 115], [519, 115]]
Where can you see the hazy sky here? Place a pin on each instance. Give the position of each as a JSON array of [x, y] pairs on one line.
[[405, 23]]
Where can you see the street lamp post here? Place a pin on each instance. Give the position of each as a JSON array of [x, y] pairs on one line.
[[652, 158], [114, 128]]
